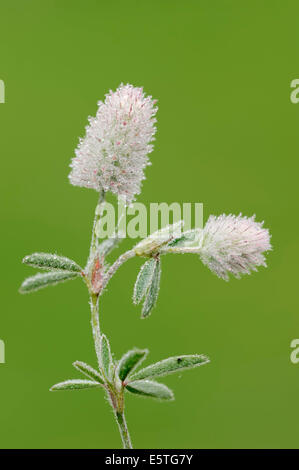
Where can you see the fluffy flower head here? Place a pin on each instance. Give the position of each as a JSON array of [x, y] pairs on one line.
[[114, 152], [233, 244]]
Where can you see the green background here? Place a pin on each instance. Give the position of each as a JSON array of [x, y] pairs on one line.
[[228, 137]]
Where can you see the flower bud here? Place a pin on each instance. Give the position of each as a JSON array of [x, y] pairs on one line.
[[151, 245]]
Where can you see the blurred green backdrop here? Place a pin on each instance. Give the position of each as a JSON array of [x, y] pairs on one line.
[[227, 137]]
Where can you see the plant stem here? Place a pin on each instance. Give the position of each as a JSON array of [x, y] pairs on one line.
[[95, 324], [111, 271], [94, 298], [185, 249], [123, 429], [94, 241], [118, 408]]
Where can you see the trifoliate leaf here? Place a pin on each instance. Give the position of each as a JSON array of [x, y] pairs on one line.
[[144, 280], [106, 357], [170, 365], [51, 261], [88, 371], [153, 291], [74, 385], [130, 361], [39, 281], [148, 388]]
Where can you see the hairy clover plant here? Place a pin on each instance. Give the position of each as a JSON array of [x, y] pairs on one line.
[[111, 158]]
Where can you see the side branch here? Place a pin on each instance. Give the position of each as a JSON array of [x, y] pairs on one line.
[[112, 270]]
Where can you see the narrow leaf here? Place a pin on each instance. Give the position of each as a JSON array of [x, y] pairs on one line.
[[153, 291], [51, 261], [144, 280], [88, 371], [170, 365], [106, 357], [39, 281], [74, 385], [148, 388], [130, 361]]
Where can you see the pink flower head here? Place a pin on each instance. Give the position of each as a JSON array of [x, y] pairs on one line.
[[114, 152], [233, 244]]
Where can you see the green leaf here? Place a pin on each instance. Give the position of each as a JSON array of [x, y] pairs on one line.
[[50, 261], [106, 357], [144, 280], [148, 388], [74, 385], [88, 371], [170, 365], [130, 361], [153, 291], [39, 281]]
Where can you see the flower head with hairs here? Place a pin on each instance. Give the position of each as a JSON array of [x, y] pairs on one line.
[[114, 152], [233, 244]]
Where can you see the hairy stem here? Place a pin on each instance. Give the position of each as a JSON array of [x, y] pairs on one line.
[[185, 249], [123, 429], [112, 270], [116, 399], [98, 211], [95, 324]]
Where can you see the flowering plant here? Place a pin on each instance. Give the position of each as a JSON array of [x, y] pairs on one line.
[[112, 157]]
